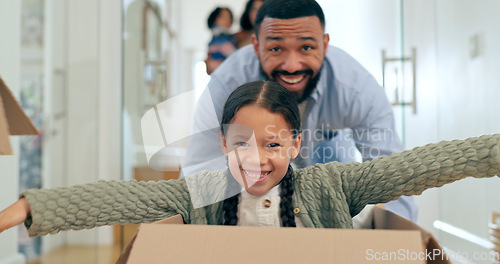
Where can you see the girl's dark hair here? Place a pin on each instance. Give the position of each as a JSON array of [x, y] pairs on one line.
[[287, 9], [270, 95], [245, 22], [213, 16], [276, 99]]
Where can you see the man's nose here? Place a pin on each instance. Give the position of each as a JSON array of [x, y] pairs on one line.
[[293, 62]]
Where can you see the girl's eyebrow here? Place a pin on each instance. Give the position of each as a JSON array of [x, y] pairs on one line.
[[271, 138], [243, 137]]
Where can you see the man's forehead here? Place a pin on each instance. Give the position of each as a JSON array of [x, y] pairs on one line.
[[304, 27]]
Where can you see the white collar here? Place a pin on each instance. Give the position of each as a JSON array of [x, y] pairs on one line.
[[275, 191]]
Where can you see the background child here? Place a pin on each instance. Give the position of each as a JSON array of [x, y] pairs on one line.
[[223, 43], [260, 133]]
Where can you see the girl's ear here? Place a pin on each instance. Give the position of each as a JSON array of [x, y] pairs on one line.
[[296, 147], [223, 144]]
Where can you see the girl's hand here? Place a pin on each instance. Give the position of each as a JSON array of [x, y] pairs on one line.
[[14, 215]]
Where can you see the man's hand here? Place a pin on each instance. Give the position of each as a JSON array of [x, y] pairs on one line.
[[14, 215]]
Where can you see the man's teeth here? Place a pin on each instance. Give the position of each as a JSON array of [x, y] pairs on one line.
[[292, 80]]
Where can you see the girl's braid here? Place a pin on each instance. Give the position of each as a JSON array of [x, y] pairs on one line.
[[286, 204], [230, 208]]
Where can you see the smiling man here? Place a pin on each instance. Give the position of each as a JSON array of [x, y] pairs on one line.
[[344, 110], [291, 52]]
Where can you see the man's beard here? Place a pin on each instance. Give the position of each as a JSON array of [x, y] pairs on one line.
[[308, 89]]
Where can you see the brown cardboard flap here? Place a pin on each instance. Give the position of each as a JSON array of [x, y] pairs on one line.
[[17, 121], [176, 219], [384, 219], [4, 130], [126, 252]]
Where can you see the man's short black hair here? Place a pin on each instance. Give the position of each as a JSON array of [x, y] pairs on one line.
[[288, 9]]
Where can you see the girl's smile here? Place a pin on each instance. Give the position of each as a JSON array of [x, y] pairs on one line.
[[259, 145], [255, 176]]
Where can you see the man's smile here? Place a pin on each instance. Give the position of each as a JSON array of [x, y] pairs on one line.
[[292, 79]]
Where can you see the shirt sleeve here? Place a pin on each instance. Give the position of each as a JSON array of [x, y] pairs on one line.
[[412, 172], [105, 203]]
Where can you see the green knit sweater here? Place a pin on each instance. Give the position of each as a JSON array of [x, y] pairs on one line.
[[326, 195]]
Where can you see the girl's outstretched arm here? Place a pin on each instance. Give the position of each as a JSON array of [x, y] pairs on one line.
[[101, 203], [412, 172], [14, 215]]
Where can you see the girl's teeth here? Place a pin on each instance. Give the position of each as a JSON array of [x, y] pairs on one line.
[[255, 175]]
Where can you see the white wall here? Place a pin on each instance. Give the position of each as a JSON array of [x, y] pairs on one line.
[[94, 99], [363, 28], [83, 99], [10, 52], [422, 128], [54, 106], [469, 89], [110, 98]]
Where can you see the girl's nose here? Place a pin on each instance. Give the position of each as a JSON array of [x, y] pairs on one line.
[[257, 156]]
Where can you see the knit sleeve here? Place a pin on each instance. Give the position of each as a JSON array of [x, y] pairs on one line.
[[105, 203], [411, 172]]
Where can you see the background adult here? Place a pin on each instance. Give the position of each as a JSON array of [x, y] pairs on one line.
[[247, 20], [333, 90]]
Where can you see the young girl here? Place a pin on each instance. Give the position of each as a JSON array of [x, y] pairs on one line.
[[223, 43], [260, 133]]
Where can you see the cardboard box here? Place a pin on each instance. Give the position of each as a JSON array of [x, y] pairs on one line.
[[13, 121], [168, 241], [124, 257], [145, 173], [384, 219]]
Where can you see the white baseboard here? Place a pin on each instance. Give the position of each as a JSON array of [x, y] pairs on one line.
[[16, 258]]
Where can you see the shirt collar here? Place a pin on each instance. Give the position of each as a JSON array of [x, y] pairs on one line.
[[275, 191], [321, 85]]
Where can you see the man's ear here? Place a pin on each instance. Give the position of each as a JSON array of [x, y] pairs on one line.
[[223, 144], [326, 40], [255, 43], [296, 147]]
